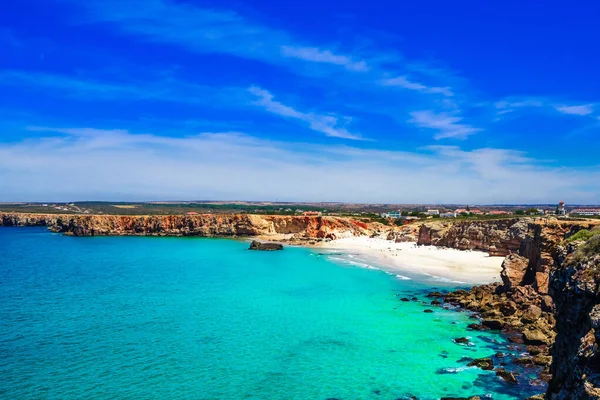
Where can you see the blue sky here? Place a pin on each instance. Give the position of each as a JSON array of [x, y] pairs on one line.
[[403, 102]]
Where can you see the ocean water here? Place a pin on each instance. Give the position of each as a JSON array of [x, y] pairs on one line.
[[192, 318]]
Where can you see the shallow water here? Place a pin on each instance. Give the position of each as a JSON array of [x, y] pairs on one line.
[[156, 318]]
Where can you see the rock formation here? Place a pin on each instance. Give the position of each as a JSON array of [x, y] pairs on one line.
[[226, 225], [256, 245], [523, 305], [574, 286]]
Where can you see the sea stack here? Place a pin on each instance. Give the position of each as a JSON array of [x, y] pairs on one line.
[[256, 245]]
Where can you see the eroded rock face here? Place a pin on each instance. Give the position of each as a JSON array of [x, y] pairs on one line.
[[574, 286], [514, 269], [256, 245], [227, 225]]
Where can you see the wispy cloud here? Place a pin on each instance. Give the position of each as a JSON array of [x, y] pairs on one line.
[[327, 124], [404, 82], [513, 104], [152, 167], [323, 56], [212, 31], [448, 125], [584, 109]]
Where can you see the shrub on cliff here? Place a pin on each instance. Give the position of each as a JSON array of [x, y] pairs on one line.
[[583, 234]]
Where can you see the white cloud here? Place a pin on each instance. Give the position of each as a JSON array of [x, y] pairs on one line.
[[327, 124], [448, 125], [91, 164], [323, 56], [404, 82], [585, 109]]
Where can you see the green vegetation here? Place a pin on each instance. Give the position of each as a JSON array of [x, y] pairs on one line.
[[583, 234], [589, 249]]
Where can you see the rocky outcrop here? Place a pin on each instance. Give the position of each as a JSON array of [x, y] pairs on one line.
[[521, 306], [575, 285], [256, 245], [534, 240], [226, 225]]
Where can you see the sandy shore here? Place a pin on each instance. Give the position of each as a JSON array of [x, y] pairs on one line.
[[469, 267]]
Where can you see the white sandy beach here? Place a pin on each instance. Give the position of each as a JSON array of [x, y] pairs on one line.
[[470, 267]]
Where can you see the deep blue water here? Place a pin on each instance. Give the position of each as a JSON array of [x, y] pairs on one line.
[[183, 318]]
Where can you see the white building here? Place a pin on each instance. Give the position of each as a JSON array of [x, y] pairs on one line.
[[392, 214], [433, 212], [448, 215], [588, 212]]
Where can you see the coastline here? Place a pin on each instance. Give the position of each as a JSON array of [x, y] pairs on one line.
[[452, 265]]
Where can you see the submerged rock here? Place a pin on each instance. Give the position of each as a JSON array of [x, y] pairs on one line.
[[508, 377], [256, 245], [483, 363], [461, 340]]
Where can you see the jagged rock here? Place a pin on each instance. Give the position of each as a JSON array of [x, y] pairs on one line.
[[523, 361], [547, 304], [542, 360], [574, 288], [514, 269], [483, 363], [256, 245], [477, 327], [532, 314], [435, 294], [535, 337], [493, 323], [508, 377], [461, 340]]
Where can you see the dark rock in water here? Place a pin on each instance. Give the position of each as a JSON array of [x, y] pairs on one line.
[[414, 299], [508, 377], [256, 245], [461, 340], [477, 327], [404, 299], [436, 302], [536, 397], [534, 350], [427, 311], [435, 294], [518, 338], [542, 360], [464, 359], [461, 398], [526, 361], [483, 363], [535, 337], [377, 392], [493, 323], [500, 355]]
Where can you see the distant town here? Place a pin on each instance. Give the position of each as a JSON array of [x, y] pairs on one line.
[[387, 213]]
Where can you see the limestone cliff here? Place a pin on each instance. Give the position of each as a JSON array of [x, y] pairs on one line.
[[227, 225], [535, 240], [574, 286]]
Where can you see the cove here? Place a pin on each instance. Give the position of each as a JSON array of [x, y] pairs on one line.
[[156, 318]]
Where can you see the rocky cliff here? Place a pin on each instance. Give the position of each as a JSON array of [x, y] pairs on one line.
[[531, 242], [522, 306], [574, 286], [229, 225]]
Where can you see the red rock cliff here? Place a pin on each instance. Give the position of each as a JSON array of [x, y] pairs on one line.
[[197, 225]]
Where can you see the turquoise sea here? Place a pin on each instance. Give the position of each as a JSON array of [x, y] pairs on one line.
[[193, 318]]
